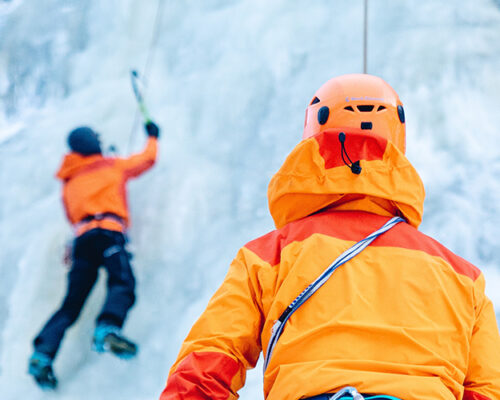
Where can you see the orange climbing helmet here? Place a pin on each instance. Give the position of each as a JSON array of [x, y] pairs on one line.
[[357, 101]]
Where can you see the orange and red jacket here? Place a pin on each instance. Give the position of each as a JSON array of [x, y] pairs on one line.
[[95, 185], [406, 317]]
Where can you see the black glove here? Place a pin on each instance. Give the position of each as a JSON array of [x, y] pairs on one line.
[[152, 129]]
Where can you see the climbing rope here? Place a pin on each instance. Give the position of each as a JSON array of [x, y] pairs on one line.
[[365, 38], [147, 66]]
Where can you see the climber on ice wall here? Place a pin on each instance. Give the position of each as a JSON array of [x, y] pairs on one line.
[[94, 197]]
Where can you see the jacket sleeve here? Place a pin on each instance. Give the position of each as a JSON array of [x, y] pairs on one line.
[[223, 343], [483, 376], [136, 164]]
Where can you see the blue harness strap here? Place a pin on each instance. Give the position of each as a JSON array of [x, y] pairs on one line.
[[313, 287]]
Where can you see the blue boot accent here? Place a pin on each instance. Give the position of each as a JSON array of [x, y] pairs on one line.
[[108, 338], [40, 367], [100, 333]]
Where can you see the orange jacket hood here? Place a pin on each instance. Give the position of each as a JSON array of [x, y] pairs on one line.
[[73, 163], [314, 177]]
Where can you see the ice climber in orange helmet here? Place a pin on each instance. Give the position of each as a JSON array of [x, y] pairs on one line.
[[346, 298], [95, 202]]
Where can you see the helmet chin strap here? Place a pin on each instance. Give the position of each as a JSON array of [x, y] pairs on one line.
[[355, 167]]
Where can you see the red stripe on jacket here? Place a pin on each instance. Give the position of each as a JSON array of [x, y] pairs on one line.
[[202, 375], [470, 395], [354, 226]]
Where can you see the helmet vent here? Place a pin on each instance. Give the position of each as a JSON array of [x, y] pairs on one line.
[[380, 108], [349, 108], [401, 114], [323, 114], [365, 108], [314, 101]]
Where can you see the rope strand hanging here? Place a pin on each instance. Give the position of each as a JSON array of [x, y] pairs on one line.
[[365, 38], [149, 62]]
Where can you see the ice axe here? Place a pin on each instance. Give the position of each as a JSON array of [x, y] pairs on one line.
[[137, 86]]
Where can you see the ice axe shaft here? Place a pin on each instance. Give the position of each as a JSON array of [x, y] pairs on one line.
[[135, 80]]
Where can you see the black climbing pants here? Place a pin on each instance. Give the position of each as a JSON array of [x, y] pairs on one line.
[[93, 249]]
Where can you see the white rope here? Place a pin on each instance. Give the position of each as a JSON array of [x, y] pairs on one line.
[[350, 391], [365, 38], [148, 64]]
